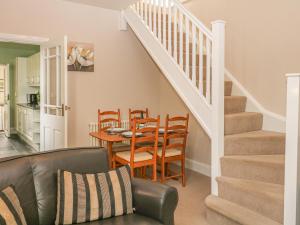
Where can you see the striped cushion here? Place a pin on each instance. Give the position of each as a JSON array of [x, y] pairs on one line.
[[11, 212], [88, 197]]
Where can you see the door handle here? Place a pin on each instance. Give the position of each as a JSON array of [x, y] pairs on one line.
[[64, 108], [67, 108]]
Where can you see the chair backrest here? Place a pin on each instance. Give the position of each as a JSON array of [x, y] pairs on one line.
[[175, 135], [108, 119], [149, 140], [138, 114]]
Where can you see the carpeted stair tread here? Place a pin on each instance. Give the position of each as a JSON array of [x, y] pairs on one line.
[[243, 122], [234, 104], [266, 168], [264, 198], [227, 213], [255, 143], [277, 160]]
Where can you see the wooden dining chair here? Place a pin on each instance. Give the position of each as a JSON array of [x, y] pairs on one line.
[[173, 149], [137, 114], [141, 156], [108, 119]]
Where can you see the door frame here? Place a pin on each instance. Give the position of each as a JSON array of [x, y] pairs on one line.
[[7, 102]]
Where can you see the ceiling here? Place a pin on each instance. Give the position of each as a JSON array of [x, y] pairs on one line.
[[17, 46], [108, 4]]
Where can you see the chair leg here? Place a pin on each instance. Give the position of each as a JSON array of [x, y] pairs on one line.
[[114, 162], [144, 168], [167, 169], [132, 171], [183, 172], [154, 175], [163, 172]]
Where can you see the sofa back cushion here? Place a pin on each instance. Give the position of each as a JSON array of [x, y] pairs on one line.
[[90, 197], [45, 167], [17, 172]]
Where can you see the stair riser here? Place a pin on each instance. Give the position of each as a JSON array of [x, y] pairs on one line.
[[235, 105], [214, 218], [268, 206], [265, 172], [235, 125], [254, 146]]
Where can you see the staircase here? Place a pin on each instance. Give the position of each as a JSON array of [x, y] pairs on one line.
[[247, 162], [251, 190]]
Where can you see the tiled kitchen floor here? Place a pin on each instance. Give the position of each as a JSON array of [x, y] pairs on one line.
[[13, 146]]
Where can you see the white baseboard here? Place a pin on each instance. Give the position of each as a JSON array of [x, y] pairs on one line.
[[272, 121], [198, 167]]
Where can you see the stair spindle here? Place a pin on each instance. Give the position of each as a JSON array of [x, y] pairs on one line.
[[181, 40], [201, 46], [187, 45], [175, 34], [155, 17], [194, 54], [169, 28], [164, 24], [208, 70]]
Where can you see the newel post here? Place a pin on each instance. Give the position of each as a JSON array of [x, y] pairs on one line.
[[218, 64], [292, 152]]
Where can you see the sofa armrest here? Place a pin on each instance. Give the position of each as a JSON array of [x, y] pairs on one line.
[[154, 200]]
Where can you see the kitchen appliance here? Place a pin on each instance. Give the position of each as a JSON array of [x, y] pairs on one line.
[[32, 99]]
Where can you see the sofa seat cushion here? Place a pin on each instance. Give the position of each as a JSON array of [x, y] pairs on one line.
[[132, 219]]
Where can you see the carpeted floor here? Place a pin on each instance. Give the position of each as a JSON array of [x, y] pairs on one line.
[[191, 208]]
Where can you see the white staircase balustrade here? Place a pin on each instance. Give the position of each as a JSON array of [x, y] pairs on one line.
[[292, 152], [191, 56]]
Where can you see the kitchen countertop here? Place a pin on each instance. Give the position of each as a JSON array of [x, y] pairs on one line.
[[34, 107]]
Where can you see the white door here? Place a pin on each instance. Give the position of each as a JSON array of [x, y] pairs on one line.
[[6, 113], [54, 89]]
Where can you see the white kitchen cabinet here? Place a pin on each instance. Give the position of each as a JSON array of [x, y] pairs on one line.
[[28, 125], [33, 70]]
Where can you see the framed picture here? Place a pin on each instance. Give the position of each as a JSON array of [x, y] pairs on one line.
[[80, 57]]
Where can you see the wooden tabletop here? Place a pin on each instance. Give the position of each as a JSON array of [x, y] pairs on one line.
[[108, 137]]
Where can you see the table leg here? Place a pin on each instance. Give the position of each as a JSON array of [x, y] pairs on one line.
[[109, 149]]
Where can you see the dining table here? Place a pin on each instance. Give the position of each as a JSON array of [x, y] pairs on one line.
[[110, 138]]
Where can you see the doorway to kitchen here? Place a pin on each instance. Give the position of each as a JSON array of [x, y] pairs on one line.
[[51, 85], [19, 98]]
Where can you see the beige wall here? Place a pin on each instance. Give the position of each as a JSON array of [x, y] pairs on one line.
[[262, 43], [125, 75], [198, 144]]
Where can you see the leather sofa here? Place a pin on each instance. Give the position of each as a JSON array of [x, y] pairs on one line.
[[35, 181]]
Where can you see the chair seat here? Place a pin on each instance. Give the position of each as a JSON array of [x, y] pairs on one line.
[[169, 152], [138, 157]]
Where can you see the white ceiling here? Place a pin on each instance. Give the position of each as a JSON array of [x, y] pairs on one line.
[[108, 4]]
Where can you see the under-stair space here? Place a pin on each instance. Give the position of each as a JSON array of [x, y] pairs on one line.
[[250, 185]]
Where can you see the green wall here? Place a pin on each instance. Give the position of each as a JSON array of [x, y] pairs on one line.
[[8, 54]]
